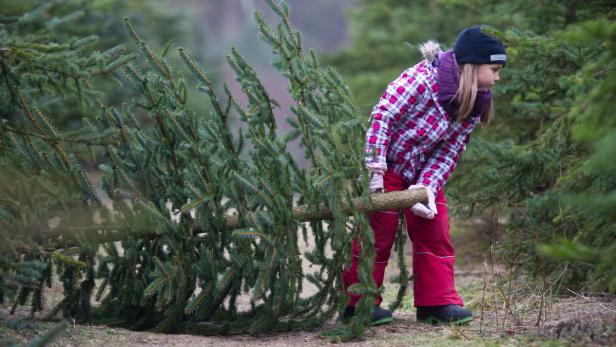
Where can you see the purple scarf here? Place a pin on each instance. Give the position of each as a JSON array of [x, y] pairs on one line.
[[448, 81]]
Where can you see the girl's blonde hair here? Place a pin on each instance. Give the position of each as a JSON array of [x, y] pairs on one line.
[[467, 94]]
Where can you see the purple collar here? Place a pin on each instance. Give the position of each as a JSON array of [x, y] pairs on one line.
[[448, 81]]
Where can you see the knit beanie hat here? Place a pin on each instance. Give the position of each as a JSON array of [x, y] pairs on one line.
[[475, 47]]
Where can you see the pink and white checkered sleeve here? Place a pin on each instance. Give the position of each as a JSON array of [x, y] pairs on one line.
[[400, 97], [445, 156]]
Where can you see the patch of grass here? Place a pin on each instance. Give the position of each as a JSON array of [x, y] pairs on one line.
[[478, 291], [390, 293], [449, 339]]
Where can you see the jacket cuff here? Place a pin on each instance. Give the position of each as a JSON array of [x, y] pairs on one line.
[[376, 167]]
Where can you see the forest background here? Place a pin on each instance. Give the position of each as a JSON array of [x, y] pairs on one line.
[[537, 184]]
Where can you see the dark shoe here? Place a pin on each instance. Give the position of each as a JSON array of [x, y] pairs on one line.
[[379, 315], [447, 314]]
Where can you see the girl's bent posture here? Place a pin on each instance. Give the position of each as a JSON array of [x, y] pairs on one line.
[[419, 128]]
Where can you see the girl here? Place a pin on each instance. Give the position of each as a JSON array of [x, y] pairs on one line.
[[419, 128]]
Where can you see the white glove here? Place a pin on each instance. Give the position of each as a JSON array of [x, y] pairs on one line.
[[427, 211], [376, 182]]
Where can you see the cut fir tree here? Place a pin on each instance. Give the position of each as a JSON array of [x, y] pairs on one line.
[[180, 266]]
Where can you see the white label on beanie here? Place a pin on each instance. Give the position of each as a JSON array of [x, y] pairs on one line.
[[498, 57]]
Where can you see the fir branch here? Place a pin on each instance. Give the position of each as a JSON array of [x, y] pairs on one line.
[[195, 68], [197, 302], [209, 86], [153, 211], [244, 183], [205, 198], [55, 145], [154, 286], [163, 70], [121, 61], [251, 234], [53, 140], [248, 76], [224, 281], [263, 277], [67, 260], [46, 122], [29, 113]]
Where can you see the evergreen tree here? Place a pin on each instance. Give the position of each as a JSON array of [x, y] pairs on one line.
[[39, 179], [531, 173], [187, 173], [535, 163], [590, 189], [180, 265], [63, 21], [49, 57]]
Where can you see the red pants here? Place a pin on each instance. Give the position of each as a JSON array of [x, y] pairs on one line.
[[433, 254]]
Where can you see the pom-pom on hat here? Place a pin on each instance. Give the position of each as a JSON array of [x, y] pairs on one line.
[[475, 47]]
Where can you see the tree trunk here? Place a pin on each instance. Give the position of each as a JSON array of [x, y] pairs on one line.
[[55, 239]]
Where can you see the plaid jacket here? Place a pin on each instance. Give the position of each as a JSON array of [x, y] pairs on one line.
[[411, 134]]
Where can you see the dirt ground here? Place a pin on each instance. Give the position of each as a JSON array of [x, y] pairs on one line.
[[507, 312], [573, 320]]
